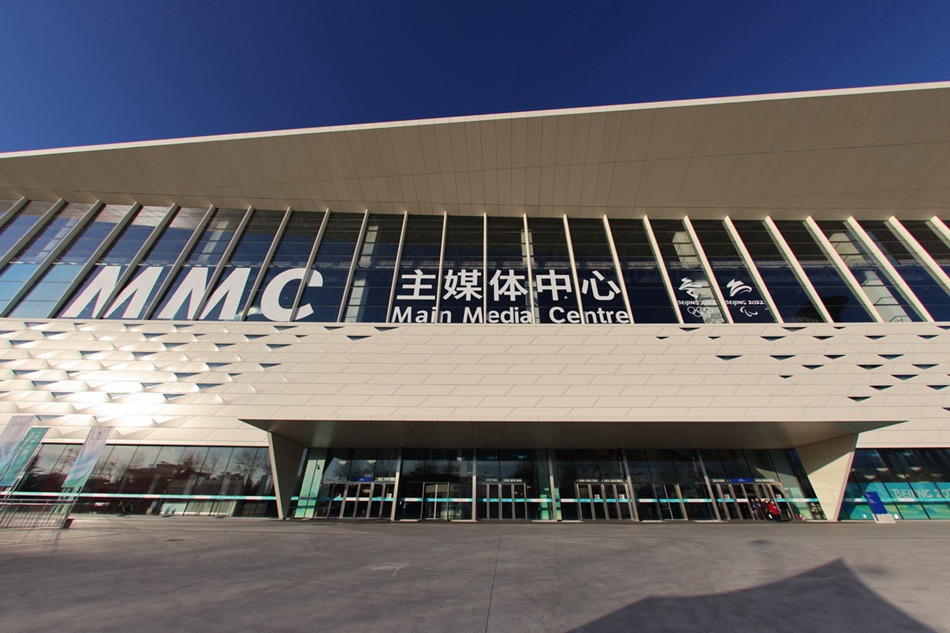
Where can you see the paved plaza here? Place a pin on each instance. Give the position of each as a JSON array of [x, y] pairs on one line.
[[226, 575]]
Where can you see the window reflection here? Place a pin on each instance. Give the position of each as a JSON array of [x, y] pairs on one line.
[[834, 293], [28, 260], [887, 298], [694, 296]]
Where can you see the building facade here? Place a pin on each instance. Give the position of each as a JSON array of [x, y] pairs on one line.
[[674, 311]]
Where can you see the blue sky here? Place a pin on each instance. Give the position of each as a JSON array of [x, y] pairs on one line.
[[97, 71]]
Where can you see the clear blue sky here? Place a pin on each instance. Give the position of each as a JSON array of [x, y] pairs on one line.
[[101, 71]]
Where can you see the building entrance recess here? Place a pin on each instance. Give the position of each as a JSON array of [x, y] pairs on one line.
[[552, 485], [743, 500]]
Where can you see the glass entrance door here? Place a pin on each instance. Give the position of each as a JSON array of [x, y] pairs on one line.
[[359, 500], [603, 501], [669, 502], [748, 501], [501, 501]]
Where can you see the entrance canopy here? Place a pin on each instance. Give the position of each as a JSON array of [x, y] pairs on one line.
[[514, 434]]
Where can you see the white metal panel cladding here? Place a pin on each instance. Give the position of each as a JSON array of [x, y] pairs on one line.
[[484, 288]]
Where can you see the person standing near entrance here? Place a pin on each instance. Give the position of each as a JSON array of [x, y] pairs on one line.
[[772, 510]]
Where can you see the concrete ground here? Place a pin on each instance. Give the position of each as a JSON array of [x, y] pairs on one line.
[[139, 574]]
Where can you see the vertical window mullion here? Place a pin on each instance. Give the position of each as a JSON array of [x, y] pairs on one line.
[[55, 252], [222, 264], [803, 279], [308, 267], [266, 263], [704, 262], [752, 268], [32, 232], [574, 275], [357, 249], [616, 259], [485, 266], [919, 252], [529, 265], [881, 260], [90, 264], [661, 266], [842, 268], [139, 256], [179, 261], [12, 211], [438, 285], [392, 291]]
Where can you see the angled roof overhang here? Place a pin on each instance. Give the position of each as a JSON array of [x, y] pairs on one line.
[[873, 152], [586, 434]]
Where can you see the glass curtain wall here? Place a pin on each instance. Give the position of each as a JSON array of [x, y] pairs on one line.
[[453, 269], [276, 296], [507, 298], [555, 297], [890, 301], [373, 278], [463, 280], [183, 297], [649, 297], [694, 296], [160, 480], [601, 295], [24, 220], [417, 283], [331, 269], [91, 297], [550, 485], [744, 298], [913, 483], [927, 288], [790, 297], [45, 293], [27, 261], [230, 295], [833, 291], [931, 241], [137, 296]]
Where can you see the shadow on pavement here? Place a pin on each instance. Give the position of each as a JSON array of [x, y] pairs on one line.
[[827, 598]]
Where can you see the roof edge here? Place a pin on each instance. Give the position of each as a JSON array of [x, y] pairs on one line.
[[653, 105]]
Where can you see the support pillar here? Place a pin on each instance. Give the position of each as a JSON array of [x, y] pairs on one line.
[[285, 460], [827, 465]]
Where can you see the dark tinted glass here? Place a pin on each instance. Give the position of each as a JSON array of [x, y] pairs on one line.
[[555, 297], [648, 294], [230, 295], [506, 272], [743, 296], [887, 298], [184, 295], [463, 282], [278, 292], [324, 293], [838, 298], [417, 282], [694, 295], [601, 295], [787, 291], [373, 278], [928, 289]]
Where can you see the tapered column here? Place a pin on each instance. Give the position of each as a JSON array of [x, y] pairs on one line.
[[285, 460]]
